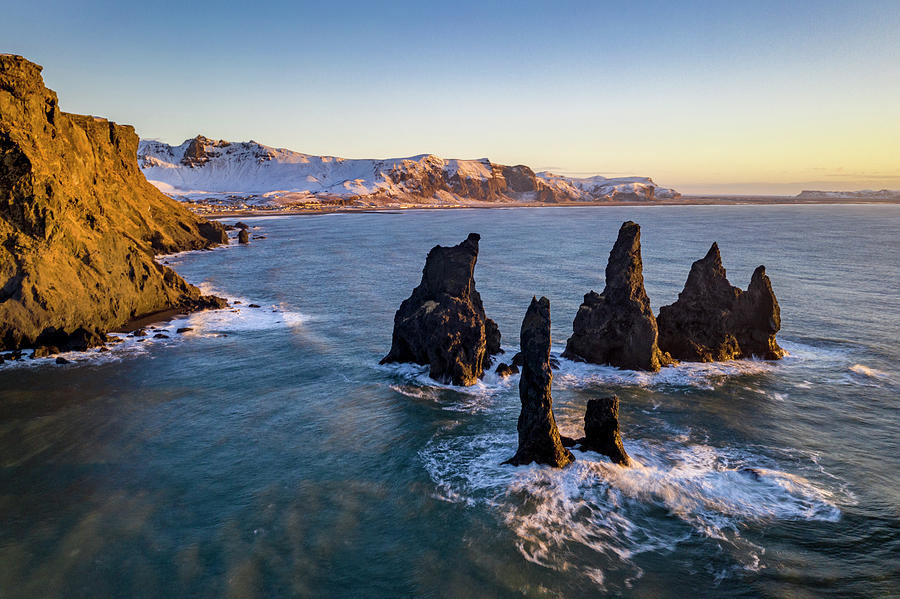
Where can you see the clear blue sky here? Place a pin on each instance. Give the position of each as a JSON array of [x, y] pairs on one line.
[[708, 97]]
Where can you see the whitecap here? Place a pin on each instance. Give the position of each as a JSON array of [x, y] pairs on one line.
[[712, 492], [474, 398], [700, 375], [203, 324], [242, 318], [869, 372], [125, 347]]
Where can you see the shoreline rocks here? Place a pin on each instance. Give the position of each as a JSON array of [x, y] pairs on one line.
[[80, 225], [539, 438], [617, 327], [504, 370], [713, 320], [443, 324]]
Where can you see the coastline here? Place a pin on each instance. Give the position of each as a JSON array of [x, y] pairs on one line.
[[683, 201], [161, 316]]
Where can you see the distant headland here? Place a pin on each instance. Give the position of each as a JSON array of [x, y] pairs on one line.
[[223, 178]]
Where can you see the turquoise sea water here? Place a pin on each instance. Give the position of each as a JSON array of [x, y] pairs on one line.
[[265, 453]]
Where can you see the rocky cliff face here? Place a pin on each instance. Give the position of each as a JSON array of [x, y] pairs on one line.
[[79, 224], [539, 439], [443, 324], [713, 320], [617, 327]]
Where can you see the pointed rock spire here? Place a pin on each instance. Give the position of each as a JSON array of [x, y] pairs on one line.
[[443, 324], [713, 320], [617, 327], [539, 439]]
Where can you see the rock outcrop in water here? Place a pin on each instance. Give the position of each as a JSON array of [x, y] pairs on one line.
[[617, 327], [443, 324], [79, 224], [539, 439], [504, 370], [712, 320], [601, 430]]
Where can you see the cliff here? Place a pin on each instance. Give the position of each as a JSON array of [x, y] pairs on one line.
[[79, 223]]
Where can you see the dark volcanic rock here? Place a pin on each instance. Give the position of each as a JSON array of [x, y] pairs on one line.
[[61, 360], [195, 154], [184, 330], [243, 236], [491, 337], [517, 361], [601, 430], [79, 223], [617, 327], [443, 324], [506, 370], [539, 439], [712, 320], [44, 351]]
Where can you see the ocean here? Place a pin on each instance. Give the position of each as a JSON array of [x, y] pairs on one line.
[[266, 453]]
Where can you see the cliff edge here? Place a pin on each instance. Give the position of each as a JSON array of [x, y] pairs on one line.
[[79, 223]]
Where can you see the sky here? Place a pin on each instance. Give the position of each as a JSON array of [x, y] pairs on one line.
[[706, 97]]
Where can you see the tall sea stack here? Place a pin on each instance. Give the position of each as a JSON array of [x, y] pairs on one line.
[[712, 320], [79, 223], [617, 327], [443, 324], [539, 439]]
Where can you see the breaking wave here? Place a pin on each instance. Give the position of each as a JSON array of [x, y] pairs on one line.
[[595, 513], [414, 382], [871, 373], [704, 375], [236, 319]]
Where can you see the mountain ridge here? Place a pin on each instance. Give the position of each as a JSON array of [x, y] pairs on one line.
[[203, 168]]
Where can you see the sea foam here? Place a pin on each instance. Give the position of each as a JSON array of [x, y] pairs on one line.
[[710, 492], [204, 324]]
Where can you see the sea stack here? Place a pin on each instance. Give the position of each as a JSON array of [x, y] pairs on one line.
[[617, 327], [601, 430], [443, 324], [712, 320], [79, 224], [539, 439]]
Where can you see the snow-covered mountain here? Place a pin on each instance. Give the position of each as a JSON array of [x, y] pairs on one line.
[[249, 172]]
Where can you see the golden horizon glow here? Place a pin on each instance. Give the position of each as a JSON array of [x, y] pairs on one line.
[[703, 97]]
